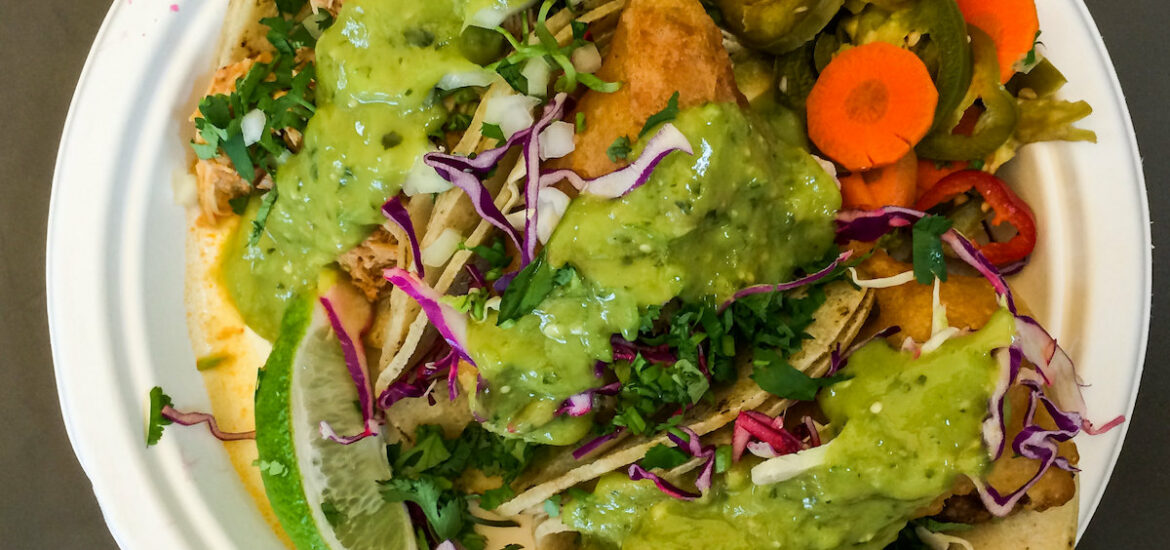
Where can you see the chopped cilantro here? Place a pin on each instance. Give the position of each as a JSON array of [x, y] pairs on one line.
[[929, 261], [775, 376], [282, 89], [512, 73], [723, 456], [552, 506], [546, 47], [156, 421], [262, 216], [493, 131], [423, 474], [579, 29], [495, 254], [531, 286], [661, 117], [619, 150], [239, 204], [391, 140], [419, 37], [493, 498], [664, 457], [208, 362]]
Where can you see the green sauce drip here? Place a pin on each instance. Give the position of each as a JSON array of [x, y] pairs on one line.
[[747, 208], [376, 66], [886, 464]]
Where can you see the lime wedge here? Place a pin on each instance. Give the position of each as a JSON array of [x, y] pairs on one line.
[[324, 493]]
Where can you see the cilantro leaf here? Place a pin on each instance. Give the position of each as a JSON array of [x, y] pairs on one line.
[[156, 421], [428, 451], [664, 457], [552, 506], [262, 216], [619, 150], [775, 376], [290, 7], [493, 498], [493, 131], [512, 73], [530, 287], [579, 29], [929, 261], [666, 115]]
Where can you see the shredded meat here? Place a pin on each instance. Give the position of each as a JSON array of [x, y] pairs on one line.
[[331, 6], [366, 262], [217, 182]]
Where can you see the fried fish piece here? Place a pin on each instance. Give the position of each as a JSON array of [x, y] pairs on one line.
[[660, 47], [970, 302]]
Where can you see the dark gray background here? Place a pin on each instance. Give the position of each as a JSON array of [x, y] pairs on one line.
[[45, 498]]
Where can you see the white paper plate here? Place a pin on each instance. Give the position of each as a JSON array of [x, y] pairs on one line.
[[115, 268]]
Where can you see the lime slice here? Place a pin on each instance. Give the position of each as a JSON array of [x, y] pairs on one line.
[[324, 493]]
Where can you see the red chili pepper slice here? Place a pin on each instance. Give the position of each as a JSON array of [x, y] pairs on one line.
[[1008, 206]]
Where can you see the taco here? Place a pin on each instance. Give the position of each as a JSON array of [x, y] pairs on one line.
[[571, 260]]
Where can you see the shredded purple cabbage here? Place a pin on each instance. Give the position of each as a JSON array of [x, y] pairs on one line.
[[784, 287], [349, 337], [451, 324], [638, 473], [396, 212], [838, 360], [693, 447], [192, 418], [552, 112], [582, 403], [620, 182], [593, 444]]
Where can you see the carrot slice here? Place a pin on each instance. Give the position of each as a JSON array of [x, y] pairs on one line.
[[1011, 24], [871, 105], [893, 185], [931, 172]]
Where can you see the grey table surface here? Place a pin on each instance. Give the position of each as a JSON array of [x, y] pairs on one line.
[[46, 500]]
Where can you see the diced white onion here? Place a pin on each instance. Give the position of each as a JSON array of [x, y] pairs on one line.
[[537, 72], [511, 112], [252, 126], [587, 59], [556, 141], [438, 252], [552, 205], [423, 179], [454, 81], [783, 468]]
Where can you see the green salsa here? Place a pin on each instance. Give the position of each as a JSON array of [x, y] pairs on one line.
[[377, 66], [746, 208], [907, 429]]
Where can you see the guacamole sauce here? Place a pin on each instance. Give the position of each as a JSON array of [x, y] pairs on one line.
[[908, 428], [746, 208], [377, 66]]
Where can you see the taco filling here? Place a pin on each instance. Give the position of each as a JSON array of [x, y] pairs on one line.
[[629, 274]]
